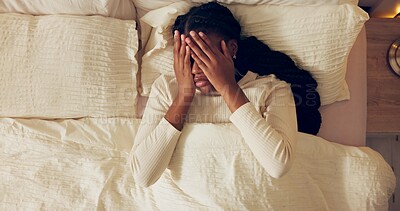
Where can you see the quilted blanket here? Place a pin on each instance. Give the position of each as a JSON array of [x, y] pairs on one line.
[[82, 165]]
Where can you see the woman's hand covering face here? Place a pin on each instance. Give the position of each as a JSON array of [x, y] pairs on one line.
[[182, 66], [215, 62]]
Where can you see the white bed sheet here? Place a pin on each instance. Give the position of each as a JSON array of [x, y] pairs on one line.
[[82, 164]]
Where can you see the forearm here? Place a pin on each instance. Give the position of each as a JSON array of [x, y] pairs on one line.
[[176, 114], [156, 138], [234, 97], [271, 136], [150, 158], [271, 144]]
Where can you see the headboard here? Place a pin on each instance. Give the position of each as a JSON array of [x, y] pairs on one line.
[[345, 122]]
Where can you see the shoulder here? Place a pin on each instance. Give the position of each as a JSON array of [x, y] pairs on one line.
[[268, 82], [164, 82], [164, 85]]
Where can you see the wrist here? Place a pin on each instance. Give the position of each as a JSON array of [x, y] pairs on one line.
[[177, 112], [184, 98], [234, 97], [230, 91]]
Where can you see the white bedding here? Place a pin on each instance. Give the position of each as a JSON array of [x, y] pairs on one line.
[[65, 66], [82, 165], [318, 39], [123, 9]]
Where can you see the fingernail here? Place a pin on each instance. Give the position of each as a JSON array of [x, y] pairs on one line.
[[176, 32], [187, 40], [192, 33], [182, 37], [201, 34]]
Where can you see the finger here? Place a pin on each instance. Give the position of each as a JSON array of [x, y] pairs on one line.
[[208, 42], [177, 44], [196, 50], [203, 46], [225, 49], [182, 50], [187, 60], [200, 63]]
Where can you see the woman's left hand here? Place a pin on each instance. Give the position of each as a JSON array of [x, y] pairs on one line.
[[217, 66]]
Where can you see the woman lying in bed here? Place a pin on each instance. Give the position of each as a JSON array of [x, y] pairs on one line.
[[213, 84]]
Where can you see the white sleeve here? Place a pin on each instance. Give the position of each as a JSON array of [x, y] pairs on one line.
[[272, 139], [156, 138]]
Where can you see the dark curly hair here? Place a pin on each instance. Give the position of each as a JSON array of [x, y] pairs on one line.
[[256, 56], [209, 18]]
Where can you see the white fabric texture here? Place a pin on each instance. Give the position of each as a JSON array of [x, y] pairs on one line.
[[148, 5], [318, 39], [83, 165], [144, 6], [267, 123], [122, 9], [284, 2], [67, 66]]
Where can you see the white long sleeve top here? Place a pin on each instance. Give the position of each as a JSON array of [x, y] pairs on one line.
[[267, 123]]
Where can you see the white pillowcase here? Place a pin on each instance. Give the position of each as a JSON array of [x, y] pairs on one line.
[[67, 66], [122, 9], [318, 39], [283, 2], [144, 6]]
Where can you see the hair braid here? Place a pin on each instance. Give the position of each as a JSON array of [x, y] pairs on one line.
[[259, 58]]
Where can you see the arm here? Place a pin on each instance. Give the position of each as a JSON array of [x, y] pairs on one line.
[[272, 139], [155, 140], [157, 135]]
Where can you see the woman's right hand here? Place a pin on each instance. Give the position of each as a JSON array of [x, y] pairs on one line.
[[176, 114], [182, 67]]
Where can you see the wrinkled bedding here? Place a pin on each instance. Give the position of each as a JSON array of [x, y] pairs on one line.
[[82, 165], [65, 66]]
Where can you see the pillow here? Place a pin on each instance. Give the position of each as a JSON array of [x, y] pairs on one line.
[[318, 39], [283, 2], [123, 9], [67, 66], [144, 6]]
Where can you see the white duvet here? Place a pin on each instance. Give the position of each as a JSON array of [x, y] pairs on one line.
[[82, 165]]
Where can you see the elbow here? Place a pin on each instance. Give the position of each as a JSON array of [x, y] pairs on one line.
[[282, 164], [280, 172], [283, 167], [139, 177], [142, 181], [282, 159]]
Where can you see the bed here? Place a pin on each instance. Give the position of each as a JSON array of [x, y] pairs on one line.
[[75, 78]]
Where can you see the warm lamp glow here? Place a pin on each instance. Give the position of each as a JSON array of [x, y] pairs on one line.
[[397, 12]]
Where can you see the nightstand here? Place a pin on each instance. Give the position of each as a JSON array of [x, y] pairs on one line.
[[383, 94]]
